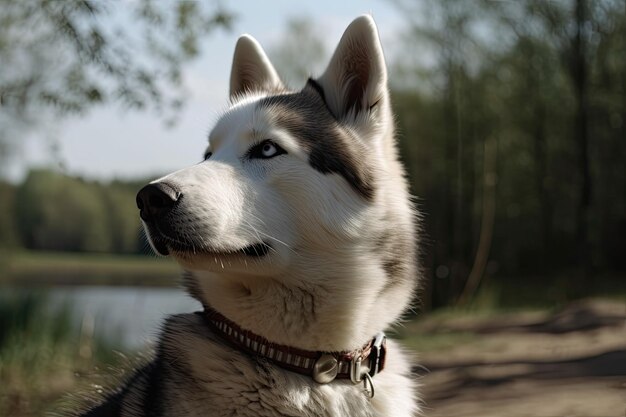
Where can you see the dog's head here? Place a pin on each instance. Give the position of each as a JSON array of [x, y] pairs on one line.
[[298, 217]]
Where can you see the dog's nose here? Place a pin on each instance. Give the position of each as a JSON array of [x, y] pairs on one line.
[[155, 200]]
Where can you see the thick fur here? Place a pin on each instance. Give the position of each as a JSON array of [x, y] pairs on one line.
[[332, 210]]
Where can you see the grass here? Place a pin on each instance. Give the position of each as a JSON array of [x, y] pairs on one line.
[[41, 355], [435, 342], [25, 267], [541, 293], [508, 296]]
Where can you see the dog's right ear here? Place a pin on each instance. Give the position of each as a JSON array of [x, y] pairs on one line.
[[252, 70]]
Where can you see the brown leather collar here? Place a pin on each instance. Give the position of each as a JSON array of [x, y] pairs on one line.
[[323, 367]]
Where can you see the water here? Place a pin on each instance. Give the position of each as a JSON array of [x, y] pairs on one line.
[[129, 317]]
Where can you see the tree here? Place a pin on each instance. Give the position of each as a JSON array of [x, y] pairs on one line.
[[8, 232], [456, 80], [122, 216], [545, 81], [65, 57], [55, 212], [300, 52], [587, 37]]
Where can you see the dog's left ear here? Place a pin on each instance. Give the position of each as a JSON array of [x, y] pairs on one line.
[[356, 78], [252, 70]]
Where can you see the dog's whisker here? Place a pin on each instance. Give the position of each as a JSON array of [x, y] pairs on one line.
[[259, 234]]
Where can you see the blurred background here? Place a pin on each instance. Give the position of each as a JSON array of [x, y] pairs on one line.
[[512, 126]]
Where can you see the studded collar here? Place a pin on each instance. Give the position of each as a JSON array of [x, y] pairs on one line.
[[323, 367]]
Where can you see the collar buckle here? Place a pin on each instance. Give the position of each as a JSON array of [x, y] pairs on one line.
[[378, 354], [376, 358]]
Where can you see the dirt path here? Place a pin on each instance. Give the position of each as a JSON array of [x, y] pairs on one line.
[[572, 363]]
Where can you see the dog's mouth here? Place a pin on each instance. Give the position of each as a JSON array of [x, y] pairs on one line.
[[164, 246], [256, 250]]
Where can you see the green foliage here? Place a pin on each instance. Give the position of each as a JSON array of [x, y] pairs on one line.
[[122, 218], [65, 57], [545, 82], [57, 212]]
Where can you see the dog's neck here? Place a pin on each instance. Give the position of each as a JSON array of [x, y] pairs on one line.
[[322, 366], [310, 313]]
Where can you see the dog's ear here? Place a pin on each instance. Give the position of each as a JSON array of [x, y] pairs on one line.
[[356, 77], [252, 69]]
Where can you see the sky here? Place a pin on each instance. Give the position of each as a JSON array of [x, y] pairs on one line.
[[110, 142]]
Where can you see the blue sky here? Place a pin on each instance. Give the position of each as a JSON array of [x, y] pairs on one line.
[[112, 143]]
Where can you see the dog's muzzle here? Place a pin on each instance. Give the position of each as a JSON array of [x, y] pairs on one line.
[[155, 201]]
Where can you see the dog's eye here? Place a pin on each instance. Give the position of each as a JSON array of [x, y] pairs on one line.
[[268, 150], [207, 155], [265, 150]]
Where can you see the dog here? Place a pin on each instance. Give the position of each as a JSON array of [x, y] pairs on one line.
[[297, 234]]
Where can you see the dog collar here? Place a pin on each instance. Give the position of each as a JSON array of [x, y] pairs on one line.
[[324, 367]]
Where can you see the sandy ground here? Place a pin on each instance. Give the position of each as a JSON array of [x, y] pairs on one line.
[[571, 363]]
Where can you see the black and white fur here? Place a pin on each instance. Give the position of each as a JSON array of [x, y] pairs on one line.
[[298, 226]]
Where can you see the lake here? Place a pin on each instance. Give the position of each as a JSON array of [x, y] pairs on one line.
[[129, 317]]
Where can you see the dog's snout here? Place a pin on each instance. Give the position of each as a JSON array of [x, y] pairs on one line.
[[156, 200]]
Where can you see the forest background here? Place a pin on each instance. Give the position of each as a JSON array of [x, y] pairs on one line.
[[511, 120]]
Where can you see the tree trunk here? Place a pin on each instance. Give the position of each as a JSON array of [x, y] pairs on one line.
[[581, 125], [487, 222], [541, 168]]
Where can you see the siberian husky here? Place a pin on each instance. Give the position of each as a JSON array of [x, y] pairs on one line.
[[296, 233]]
